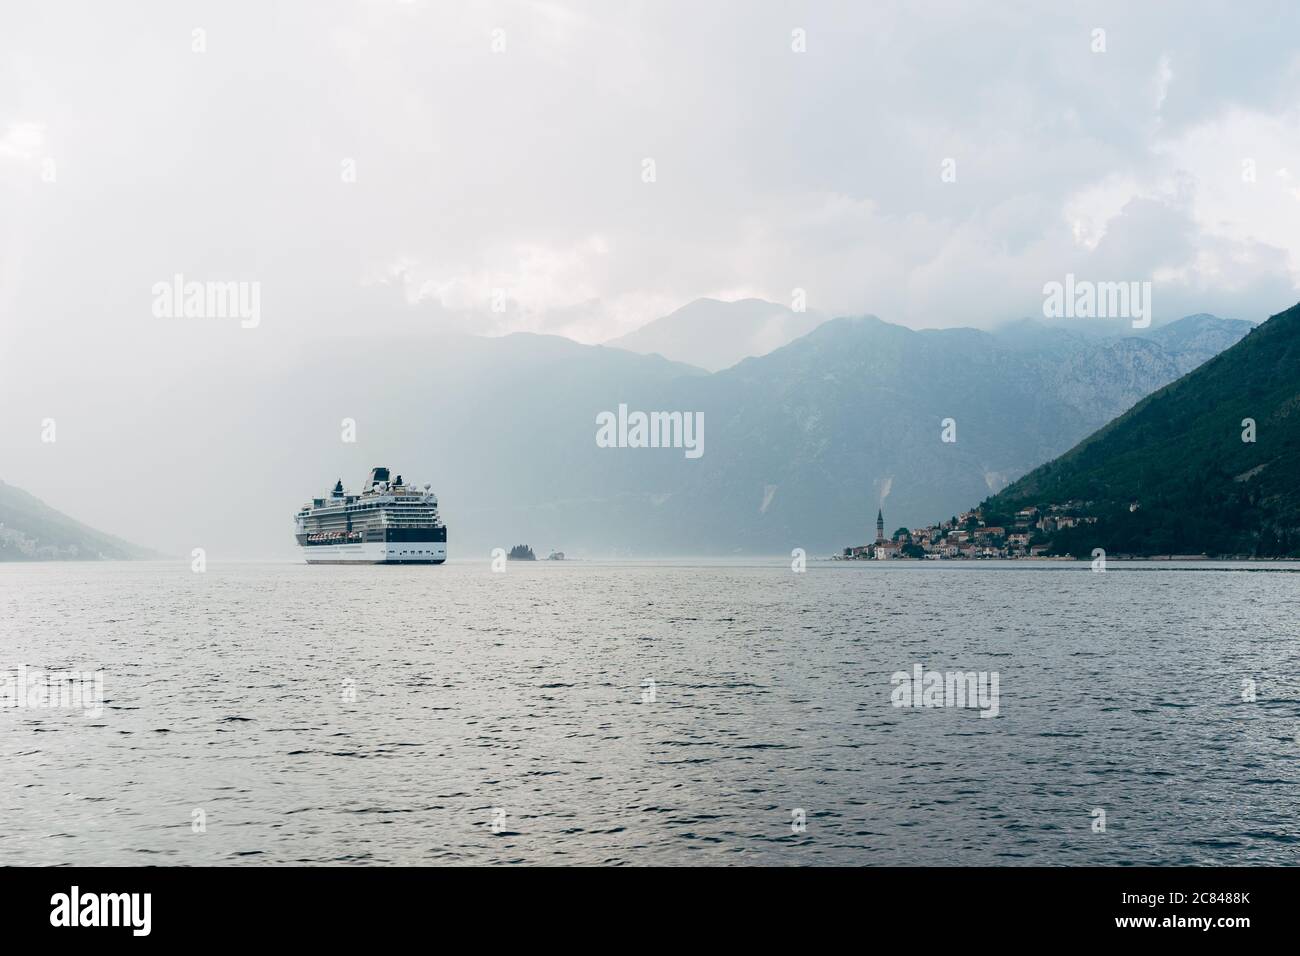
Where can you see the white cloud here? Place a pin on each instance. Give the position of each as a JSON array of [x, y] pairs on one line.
[[520, 171]]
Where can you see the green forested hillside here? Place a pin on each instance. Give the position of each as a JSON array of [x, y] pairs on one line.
[[1178, 457]]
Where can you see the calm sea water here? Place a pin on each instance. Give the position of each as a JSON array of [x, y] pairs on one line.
[[336, 715]]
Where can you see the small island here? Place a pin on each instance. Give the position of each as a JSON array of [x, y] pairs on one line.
[[521, 552]]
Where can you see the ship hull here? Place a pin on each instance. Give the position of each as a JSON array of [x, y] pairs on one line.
[[376, 552]]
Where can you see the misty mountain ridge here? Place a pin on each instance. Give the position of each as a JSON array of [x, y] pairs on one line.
[[849, 418], [30, 530], [802, 444], [713, 334]]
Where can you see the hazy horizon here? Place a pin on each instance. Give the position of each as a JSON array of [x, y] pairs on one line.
[[133, 512]]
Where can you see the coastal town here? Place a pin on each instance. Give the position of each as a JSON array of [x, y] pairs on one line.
[[968, 536]]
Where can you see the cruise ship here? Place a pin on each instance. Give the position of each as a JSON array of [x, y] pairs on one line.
[[389, 522]]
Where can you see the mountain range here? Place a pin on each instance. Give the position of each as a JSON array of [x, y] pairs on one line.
[[813, 437], [1208, 464], [801, 445], [714, 335]]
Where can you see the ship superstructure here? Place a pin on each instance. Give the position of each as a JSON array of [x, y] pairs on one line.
[[387, 522]]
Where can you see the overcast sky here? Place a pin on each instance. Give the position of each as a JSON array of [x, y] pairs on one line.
[[521, 169]]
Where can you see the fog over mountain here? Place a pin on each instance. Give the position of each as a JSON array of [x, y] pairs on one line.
[[716, 335], [31, 530], [800, 445]]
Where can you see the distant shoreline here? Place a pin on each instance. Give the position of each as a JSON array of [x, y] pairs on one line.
[[1125, 563]]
